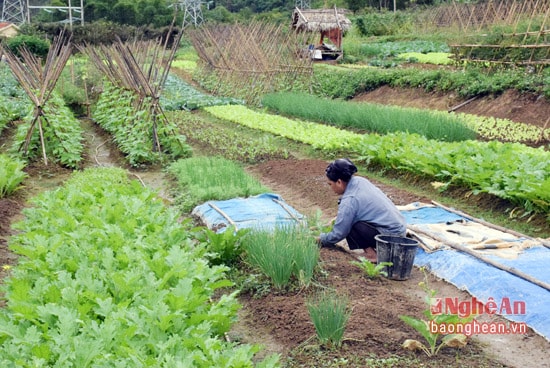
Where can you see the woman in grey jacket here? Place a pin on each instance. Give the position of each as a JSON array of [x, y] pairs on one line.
[[364, 211]]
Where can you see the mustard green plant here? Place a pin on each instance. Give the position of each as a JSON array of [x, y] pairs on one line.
[[434, 340], [371, 270], [11, 175]]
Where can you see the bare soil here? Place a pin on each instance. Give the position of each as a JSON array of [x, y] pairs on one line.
[[279, 320], [522, 108]]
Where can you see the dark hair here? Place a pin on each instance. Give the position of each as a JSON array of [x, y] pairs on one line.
[[342, 169]]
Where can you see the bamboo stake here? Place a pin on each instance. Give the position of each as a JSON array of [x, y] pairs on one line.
[[462, 104], [542, 27], [284, 206], [541, 136], [217, 209], [39, 81]]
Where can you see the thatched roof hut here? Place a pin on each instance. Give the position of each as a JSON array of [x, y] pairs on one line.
[[318, 20], [330, 23]]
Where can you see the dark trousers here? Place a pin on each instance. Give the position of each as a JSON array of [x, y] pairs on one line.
[[362, 236]]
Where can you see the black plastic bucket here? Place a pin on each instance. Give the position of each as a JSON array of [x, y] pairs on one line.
[[398, 250]]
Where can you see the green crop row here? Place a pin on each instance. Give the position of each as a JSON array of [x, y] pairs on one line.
[[369, 117], [357, 50], [319, 136], [345, 83], [491, 128], [179, 95], [62, 132], [436, 58], [108, 277], [14, 103], [229, 142], [432, 124], [133, 128], [507, 170]]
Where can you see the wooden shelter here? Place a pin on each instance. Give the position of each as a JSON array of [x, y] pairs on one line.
[[329, 23]]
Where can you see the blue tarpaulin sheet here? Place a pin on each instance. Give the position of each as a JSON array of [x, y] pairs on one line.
[[484, 281], [266, 211]]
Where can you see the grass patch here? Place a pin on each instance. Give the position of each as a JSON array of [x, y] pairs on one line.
[[283, 253], [330, 314], [201, 179]]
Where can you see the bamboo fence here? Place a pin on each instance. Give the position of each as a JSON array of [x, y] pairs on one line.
[[530, 46], [250, 60]]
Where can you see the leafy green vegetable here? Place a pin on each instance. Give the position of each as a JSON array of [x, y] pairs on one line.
[[108, 277], [11, 175]]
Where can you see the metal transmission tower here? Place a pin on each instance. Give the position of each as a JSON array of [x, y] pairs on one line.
[[74, 13], [192, 12], [14, 11], [303, 4]]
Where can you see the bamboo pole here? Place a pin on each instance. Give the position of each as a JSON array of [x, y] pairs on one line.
[[487, 260], [217, 209]]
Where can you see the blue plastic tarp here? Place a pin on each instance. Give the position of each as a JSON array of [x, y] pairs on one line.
[[266, 211], [486, 282]]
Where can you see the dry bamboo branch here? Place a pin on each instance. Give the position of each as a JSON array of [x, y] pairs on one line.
[[38, 81]]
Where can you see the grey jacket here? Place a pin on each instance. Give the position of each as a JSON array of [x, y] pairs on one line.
[[363, 201]]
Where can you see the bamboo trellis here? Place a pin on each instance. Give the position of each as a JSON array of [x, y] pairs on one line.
[[471, 19], [141, 67], [254, 58], [38, 80]]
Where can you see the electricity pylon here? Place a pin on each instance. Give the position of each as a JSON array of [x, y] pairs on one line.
[[13, 11], [302, 4], [192, 12]]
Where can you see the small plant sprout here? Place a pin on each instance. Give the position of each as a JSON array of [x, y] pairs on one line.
[[423, 327], [316, 224], [373, 271]]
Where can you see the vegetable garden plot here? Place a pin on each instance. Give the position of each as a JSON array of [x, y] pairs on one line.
[[491, 264], [107, 276]]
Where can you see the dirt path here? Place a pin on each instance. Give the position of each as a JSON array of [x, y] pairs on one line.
[[522, 108]]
